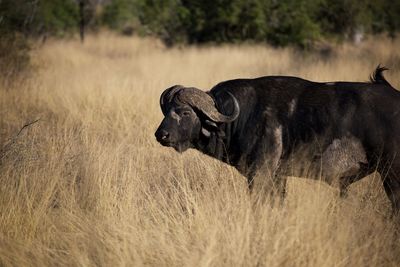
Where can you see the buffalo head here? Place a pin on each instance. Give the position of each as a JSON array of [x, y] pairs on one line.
[[189, 114]]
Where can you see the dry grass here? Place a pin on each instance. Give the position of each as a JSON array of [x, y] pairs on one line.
[[89, 186]]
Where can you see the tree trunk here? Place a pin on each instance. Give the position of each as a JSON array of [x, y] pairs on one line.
[[82, 20]]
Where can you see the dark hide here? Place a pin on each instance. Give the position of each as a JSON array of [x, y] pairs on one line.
[[344, 129]]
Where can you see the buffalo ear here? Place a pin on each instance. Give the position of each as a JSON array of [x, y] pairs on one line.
[[205, 132], [208, 127], [167, 97], [212, 126]]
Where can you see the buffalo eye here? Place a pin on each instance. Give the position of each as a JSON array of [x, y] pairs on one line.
[[186, 113]]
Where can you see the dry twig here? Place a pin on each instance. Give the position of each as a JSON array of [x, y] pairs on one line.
[[12, 140]]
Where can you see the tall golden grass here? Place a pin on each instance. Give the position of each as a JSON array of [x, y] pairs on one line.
[[88, 185]]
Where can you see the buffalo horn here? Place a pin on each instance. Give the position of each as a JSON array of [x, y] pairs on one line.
[[205, 103]]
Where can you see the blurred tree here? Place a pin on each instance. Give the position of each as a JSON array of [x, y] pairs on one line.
[[211, 20], [119, 13], [292, 22], [56, 17], [17, 15], [252, 20], [344, 18], [22, 19], [166, 19], [279, 22], [224, 21], [15, 18], [391, 9]]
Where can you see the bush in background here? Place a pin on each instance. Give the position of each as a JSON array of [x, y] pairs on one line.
[[21, 20], [280, 23], [14, 55]]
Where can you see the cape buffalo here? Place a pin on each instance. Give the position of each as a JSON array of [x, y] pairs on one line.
[[267, 125]]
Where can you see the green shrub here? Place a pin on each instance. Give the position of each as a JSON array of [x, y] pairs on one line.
[[14, 55], [119, 13], [56, 17]]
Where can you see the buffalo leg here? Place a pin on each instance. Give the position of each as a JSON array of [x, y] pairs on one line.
[[279, 189], [250, 184], [270, 186], [391, 183], [264, 160], [279, 183], [346, 181]]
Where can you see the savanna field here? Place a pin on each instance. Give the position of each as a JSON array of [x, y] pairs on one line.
[[88, 185]]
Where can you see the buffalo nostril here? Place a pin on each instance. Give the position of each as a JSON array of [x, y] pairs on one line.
[[162, 135], [165, 136]]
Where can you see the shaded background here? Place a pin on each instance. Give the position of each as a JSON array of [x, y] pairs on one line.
[[192, 21], [305, 24]]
